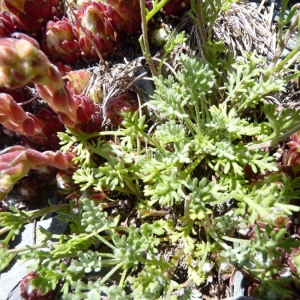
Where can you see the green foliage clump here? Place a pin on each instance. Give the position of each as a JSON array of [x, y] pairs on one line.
[[177, 168]]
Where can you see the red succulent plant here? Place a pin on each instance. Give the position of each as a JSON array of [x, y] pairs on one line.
[[127, 14], [291, 159], [177, 7], [119, 105], [17, 161], [22, 63], [7, 26], [41, 128], [60, 41], [96, 31], [29, 292], [77, 80], [33, 15]]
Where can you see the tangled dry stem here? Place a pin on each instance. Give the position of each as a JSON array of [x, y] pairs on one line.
[[242, 28], [108, 83]]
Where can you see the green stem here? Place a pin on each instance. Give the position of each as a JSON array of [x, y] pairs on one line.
[[204, 109], [4, 229], [187, 203], [152, 141], [281, 44], [156, 8], [109, 262], [111, 272], [197, 110], [197, 8], [83, 136], [234, 240], [122, 280], [99, 152], [38, 213], [27, 248], [281, 20], [191, 167], [104, 241], [144, 41], [138, 146], [275, 140], [192, 128], [9, 236], [212, 20], [204, 252], [104, 133], [49, 209], [132, 187], [281, 64], [212, 233], [292, 13]]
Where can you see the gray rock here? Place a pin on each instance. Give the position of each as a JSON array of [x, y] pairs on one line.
[[11, 277]]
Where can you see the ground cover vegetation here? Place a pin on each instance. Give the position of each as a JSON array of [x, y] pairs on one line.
[[176, 167]]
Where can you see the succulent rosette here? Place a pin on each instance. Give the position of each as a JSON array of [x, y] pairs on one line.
[[29, 292], [177, 7], [61, 41], [22, 63], [77, 112], [118, 106], [7, 26], [77, 81], [41, 128], [14, 72], [291, 159], [33, 15], [61, 67], [17, 161], [96, 31], [89, 115], [51, 125], [127, 14]]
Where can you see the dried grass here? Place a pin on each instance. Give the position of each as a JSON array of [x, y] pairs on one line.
[[242, 29]]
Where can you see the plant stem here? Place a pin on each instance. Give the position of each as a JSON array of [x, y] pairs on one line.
[[103, 240], [283, 43], [197, 8], [122, 280], [275, 140], [4, 229], [191, 167], [212, 233], [281, 20], [27, 248], [132, 187], [144, 41], [157, 7], [111, 272], [151, 140], [83, 136], [193, 129], [280, 65], [9, 236]]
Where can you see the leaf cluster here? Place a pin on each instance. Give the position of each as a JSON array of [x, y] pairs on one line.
[[185, 172], [195, 132], [195, 156]]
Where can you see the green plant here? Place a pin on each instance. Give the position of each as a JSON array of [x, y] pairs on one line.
[[191, 175], [193, 159]]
